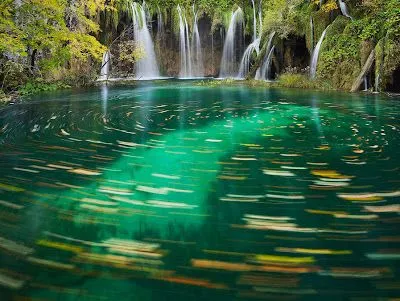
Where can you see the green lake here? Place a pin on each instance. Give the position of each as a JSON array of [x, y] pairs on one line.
[[172, 190]]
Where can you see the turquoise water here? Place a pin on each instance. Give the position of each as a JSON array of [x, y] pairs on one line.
[[176, 191]]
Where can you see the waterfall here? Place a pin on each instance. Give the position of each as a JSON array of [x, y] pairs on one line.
[[314, 60], [228, 61], [188, 71], [182, 43], [146, 67], [254, 21], [344, 10], [365, 83], [268, 63], [190, 50], [245, 63], [198, 66], [312, 33], [254, 46], [263, 71], [260, 17], [105, 66]]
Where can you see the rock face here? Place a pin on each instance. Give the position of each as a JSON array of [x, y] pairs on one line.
[[394, 83]]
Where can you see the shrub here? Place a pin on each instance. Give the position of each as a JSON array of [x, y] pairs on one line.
[[39, 86], [301, 81]]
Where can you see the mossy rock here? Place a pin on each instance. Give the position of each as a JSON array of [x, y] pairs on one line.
[[344, 74], [338, 25], [321, 21]]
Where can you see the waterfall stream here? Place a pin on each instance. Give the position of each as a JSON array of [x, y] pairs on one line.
[[198, 65], [105, 66], [344, 10], [245, 63], [146, 67], [315, 55], [264, 71], [228, 61], [254, 21], [254, 46], [190, 50]]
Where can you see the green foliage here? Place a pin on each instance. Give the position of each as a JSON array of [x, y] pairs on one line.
[[130, 52], [40, 86], [348, 43], [4, 98], [10, 35], [379, 18], [41, 37], [301, 81], [340, 57], [286, 17]]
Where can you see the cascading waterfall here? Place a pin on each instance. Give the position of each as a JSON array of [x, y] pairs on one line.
[[105, 66], [198, 66], [228, 61], [315, 55], [254, 21], [254, 46], [268, 63], [344, 10], [147, 14], [245, 63], [184, 42], [146, 67], [264, 71], [260, 17], [188, 51]]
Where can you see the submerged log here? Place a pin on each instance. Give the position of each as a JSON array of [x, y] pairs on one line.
[[364, 71]]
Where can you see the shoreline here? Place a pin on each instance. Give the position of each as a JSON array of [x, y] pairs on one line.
[[15, 98]]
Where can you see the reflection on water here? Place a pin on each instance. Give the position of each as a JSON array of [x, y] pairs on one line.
[[175, 191], [104, 99]]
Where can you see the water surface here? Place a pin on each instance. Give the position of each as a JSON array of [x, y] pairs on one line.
[[175, 191]]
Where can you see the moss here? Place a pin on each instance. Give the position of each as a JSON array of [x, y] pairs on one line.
[[338, 25], [301, 81], [339, 61], [321, 21], [345, 74]]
